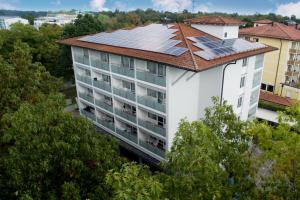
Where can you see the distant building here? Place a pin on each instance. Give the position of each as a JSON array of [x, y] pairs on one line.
[[60, 20], [7, 21], [281, 74], [138, 84], [262, 22]]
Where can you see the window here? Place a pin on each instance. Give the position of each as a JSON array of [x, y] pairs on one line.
[[256, 39], [104, 57], [106, 78], [245, 62], [157, 95], [129, 86], [240, 101], [263, 86], [242, 82], [270, 88], [128, 62], [156, 69], [225, 35], [254, 97], [129, 109], [108, 100], [160, 121], [256, 79], [247, 38]]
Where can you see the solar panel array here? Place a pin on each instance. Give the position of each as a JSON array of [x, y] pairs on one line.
[[213, 49], [154, 37]]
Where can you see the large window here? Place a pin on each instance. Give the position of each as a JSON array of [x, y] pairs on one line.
[[160, 96], [128, 62], [254, 97], [129, 86], [156, 69], [160, 121], [129, 109], [256, 79], [259, 61], [106, 78], [108, 100]]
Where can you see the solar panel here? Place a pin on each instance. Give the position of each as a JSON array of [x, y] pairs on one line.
[[212, 49], [154, 37]]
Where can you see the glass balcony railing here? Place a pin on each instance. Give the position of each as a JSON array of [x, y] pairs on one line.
[[152, 103], [99, 64], [122, 70], [153, 127], [88, 114], [127, 135], [102, 85], [86, 97], [152, 148], [85, 79], [107, 124], [123, 93], [104, 105], [125, 115], [151, 78], [82, 59]]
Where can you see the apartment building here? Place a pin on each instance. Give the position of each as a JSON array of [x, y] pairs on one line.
[[281, 71], [7, 21], [59, 19], [138, 84]]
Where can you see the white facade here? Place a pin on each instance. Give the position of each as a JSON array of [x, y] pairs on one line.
[[59, 20], [222, 32], [142, 102], [6, 22]]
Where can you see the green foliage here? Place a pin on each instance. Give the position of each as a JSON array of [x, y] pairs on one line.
[[271, 106], [134, 182], [52, 155], [21, 80]]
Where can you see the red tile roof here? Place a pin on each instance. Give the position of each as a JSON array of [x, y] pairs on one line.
[[187, 60], [263, 21], [276, 30], [270, 97], [215, 20]]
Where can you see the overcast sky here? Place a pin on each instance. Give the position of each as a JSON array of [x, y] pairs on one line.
[[283, 7]]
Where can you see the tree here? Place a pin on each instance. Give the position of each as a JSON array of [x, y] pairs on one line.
[[21, 80], [53, 155]]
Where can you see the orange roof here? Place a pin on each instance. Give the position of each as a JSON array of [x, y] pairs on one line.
[[270, 97], [276, 30], [187, 60], [215, 20], [263, 21]]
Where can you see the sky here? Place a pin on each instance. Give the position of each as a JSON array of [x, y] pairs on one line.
[[283, 7]]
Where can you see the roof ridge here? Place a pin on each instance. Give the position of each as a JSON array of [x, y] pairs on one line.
[[190, 50], [279, 26]]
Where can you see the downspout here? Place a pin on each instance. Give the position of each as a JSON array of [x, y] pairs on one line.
[[223, 76], [277, 67]]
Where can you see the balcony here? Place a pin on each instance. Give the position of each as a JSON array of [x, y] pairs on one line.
[[107, 124], [82, 59], [122, 70], [104, 105], [88, 114], [153, 127], [100, 65], [152, 103], [84, 79], [152, 148], [151, 78], [125, 115], [86, 97], [123, 93], [127, 135], [103, 85], [293, 62], [295, 51]]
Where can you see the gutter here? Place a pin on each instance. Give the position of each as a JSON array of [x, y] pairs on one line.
[[275, 82], [221, 97]]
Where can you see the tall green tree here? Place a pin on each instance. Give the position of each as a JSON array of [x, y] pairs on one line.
[[53, 155]]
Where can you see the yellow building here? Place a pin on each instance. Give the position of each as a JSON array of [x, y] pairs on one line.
[[281, 74]]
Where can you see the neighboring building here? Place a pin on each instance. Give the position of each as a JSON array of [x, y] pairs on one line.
[[7, 21], [138, 84], [262, 22], [60, 20], [281, 68]]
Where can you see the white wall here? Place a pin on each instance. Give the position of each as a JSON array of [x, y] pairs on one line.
[[218, 31]]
